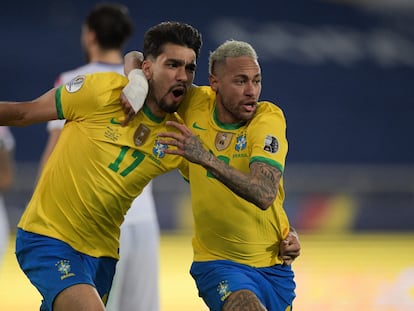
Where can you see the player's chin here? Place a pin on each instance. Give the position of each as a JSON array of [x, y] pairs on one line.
[[246, 115], [170, 107], [174, 102]]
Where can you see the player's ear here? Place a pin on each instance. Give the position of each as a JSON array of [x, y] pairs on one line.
[[213, 82], [147, 69]]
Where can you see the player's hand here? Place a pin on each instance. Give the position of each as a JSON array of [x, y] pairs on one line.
[[127, 109], [184, 142], [290, 247], [132, 60]]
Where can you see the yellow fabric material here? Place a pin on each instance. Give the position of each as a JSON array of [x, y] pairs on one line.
[[226, 225], [97, 168]]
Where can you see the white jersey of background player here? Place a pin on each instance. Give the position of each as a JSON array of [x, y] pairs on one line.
[[135, 285], [6, 178]]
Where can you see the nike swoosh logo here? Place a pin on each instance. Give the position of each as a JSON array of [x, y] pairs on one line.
[[198, 127], [113, 121]]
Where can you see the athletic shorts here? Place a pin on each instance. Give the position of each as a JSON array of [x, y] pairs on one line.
[[52, 265], [217, 279]]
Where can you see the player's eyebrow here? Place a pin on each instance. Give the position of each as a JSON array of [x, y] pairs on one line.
[[180, 62]]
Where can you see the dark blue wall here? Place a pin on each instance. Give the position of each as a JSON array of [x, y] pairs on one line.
[[344, 76]]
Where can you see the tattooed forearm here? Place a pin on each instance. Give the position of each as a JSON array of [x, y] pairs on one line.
[[265, 181], [259, 187], [266, 170]]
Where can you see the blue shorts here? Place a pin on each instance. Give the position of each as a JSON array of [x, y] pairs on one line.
[[52, 265], [217, 279]]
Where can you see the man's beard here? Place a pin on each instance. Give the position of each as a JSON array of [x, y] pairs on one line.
[[162, 103], [166, 108]]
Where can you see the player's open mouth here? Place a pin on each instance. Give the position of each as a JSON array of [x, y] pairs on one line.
[[178, 92], [250, 106]]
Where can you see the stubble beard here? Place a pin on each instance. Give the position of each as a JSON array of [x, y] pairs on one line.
[[167, 108], [162, 103]]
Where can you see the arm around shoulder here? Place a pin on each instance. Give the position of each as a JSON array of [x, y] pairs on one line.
[[26, 113]]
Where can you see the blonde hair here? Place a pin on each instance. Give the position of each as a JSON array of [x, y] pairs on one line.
[[230, 48]]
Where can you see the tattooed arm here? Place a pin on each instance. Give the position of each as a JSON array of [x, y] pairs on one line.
[[259, 187]]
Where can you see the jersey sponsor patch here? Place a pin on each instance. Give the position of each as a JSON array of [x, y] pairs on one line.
[[75, 84], [271, 144]]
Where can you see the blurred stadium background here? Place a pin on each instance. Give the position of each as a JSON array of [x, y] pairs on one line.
[[343, 73]]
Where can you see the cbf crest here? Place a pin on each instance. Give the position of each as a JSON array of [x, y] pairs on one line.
[[63, 266], [241, 142], [223, 140], [159, 149], [223, 290]]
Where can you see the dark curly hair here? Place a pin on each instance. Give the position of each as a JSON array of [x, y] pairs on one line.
[[171, 32]]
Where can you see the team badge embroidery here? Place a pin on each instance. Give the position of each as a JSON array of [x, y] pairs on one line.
[[75, 84], [223, 290], [271, 144], [158, 149], [223, 140], [240, 142], [63, 266], [141, 135]]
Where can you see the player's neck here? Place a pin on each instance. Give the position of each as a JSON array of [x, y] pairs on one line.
[[107, 56]]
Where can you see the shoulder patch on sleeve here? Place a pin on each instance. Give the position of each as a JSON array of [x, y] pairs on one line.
[[271, 144], [75, 84]]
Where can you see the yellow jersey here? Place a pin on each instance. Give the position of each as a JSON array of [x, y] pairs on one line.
[[97, 167], [226, 225]]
